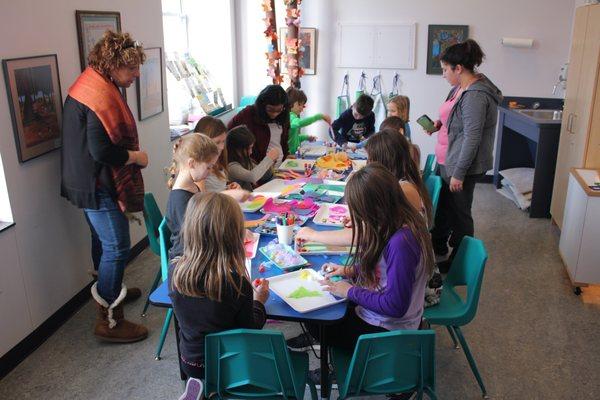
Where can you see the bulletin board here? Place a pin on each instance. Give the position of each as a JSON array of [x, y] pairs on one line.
[[376, 45]]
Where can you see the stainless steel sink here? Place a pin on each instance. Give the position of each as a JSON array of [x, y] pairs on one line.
[[548, 115]]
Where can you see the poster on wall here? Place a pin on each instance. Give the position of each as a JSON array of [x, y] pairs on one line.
[[441, 37], [308, 44], [91, 26], [150, 84], [35, 104]]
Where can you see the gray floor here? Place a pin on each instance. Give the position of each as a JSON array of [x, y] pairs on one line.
[[532, 338]]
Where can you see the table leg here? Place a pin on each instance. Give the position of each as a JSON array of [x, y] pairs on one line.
[[181, 373], [324, 363]]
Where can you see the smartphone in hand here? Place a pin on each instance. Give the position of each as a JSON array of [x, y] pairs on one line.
[[426, 123]]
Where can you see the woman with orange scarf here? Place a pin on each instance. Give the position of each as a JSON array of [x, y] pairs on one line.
[[101, 173]]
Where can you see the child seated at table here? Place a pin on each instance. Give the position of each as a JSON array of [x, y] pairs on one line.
[[242, 169], [297, 102], [208, 283], [385, 279], [398, 125], [217, 178], [356, 123], [194, 155]]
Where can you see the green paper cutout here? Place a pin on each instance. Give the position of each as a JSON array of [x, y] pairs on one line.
[[303, 292]]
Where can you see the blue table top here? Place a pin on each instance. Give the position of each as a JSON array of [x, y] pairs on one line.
[[276, 307]]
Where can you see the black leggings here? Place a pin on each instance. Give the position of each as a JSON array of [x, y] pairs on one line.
[[345, 333]]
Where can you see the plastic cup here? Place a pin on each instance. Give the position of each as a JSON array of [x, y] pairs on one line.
[[285, 234]]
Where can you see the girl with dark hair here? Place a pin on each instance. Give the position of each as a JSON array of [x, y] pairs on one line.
[[269, 120], [242, 169], [467, 125], [387, 275]]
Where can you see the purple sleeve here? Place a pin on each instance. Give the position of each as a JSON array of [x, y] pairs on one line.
[[402, 256]]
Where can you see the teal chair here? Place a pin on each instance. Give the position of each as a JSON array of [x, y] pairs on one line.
[[430, 166], [433, 183], [452, 311], [251, 364], [247, 100], [386, 363], [152, 218], [164, 235]]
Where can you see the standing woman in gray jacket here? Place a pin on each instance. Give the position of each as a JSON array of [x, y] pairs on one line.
[[471, 128]]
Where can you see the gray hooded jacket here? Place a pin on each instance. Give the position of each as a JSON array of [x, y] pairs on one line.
[[471, 130]]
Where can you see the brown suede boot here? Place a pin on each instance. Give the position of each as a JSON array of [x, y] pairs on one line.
[[111, 325]]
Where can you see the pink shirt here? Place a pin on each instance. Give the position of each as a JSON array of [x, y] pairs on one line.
[[441, 147]]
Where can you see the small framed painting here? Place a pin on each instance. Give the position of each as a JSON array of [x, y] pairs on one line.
[[441, 37], [150, 84], [308, 44], [91, 26], [35, 104]]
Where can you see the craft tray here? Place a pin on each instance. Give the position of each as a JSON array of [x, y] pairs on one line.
[[323, 214], [284, 267], [294, 164], [283, 285]]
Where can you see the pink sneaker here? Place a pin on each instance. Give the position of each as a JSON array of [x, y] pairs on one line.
[[194, 390]]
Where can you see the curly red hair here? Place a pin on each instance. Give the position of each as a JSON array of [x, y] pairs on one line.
[[115, 50]]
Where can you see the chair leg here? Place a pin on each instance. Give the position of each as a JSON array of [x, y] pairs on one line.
[[431, 394], [157, 281], [163, 333], [471, 360], [313, 389], [450, 329]]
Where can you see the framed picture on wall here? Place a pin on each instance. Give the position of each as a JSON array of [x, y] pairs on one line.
[[150, 84], [35, 104], [308, 44], [439, 38], [91, 26]]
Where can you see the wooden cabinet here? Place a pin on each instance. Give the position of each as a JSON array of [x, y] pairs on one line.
[[580, 132], [578, 244]]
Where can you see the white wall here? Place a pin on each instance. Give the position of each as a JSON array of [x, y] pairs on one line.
[[45, 257], [517, 72]]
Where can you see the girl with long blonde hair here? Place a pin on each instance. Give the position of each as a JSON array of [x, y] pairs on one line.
[[209, 285]]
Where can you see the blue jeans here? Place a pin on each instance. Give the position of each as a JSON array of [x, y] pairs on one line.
[[110, 244]]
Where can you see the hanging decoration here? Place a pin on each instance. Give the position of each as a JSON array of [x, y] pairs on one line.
[[293, 45], [273, 55]]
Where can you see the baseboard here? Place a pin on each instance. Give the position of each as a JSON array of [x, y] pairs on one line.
[[36, 338]]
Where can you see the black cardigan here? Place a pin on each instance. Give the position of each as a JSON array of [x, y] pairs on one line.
[[87, 152]]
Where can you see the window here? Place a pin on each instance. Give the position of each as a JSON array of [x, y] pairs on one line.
[[199, 52]]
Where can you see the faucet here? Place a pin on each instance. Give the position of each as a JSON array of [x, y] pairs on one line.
[[562, 79], [536, 105]]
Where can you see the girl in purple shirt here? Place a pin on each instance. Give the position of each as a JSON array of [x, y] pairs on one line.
[[386, 278]]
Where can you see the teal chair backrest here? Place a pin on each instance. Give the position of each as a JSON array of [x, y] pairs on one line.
[[246, 363], [164, 234], [429, 166], [433, 183], [467, 270], [391, 362], [246, 101], [152, 218]]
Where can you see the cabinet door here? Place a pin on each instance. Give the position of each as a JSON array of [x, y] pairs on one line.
[[572, 227], [592, 159], [588, 267], [570, 152]]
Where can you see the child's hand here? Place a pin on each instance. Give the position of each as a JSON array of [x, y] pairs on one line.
[[327, 119], [239, 194], [351, 146], [332, 269], [261, 290], [233, 186], [304, 235], [273, 153], [347, 221], [339, 288]]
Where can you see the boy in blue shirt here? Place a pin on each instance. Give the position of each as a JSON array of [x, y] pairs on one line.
[[356, 123]]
